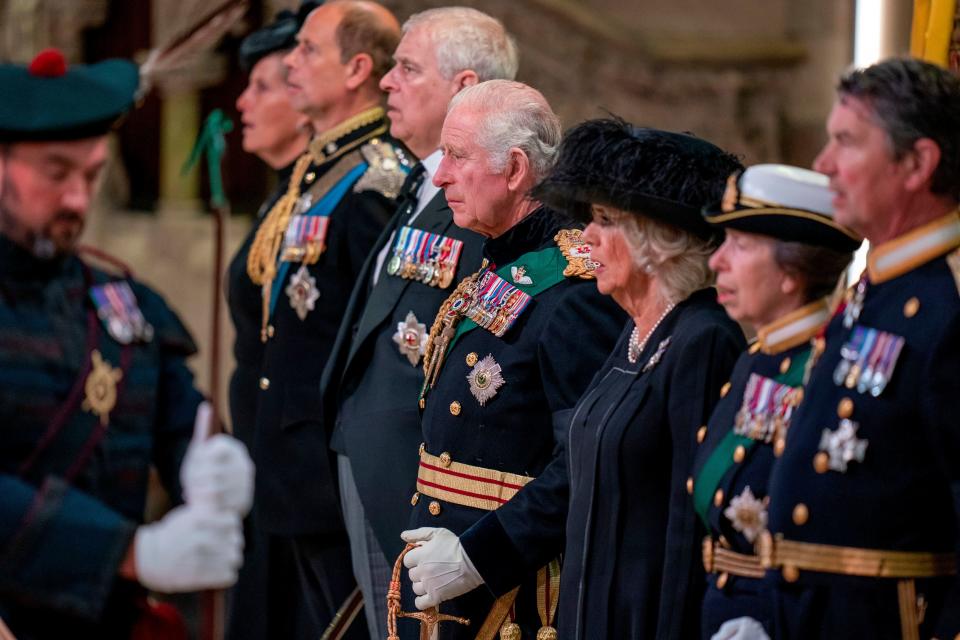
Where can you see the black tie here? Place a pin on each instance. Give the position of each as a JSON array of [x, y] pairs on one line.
[[407, 199]]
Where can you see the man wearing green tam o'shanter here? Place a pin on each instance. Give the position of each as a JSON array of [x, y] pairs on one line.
[[94, 390]]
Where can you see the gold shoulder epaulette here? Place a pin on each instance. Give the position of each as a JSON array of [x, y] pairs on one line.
[[577, 253], [385, 173], [953, 260]]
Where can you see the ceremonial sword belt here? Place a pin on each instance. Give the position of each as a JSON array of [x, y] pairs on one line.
[[792, 556], [441, 478], [719, 559]]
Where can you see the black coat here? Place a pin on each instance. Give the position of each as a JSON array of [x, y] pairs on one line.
[[370, 388], [295, 489], [547, 359], [903, 493], [632, 561]]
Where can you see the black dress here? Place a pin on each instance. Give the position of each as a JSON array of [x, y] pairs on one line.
[[632, 561]]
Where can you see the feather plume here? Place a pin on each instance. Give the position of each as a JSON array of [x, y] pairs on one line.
[[190, 41]]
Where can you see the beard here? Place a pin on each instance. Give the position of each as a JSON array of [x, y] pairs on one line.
[[56, 238]]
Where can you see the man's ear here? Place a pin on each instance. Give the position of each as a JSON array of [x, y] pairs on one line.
[[920, 164], [518, 170], [466, 78], [358, 71]]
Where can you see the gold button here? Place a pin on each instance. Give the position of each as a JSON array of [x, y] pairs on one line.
[[791, 573], [845, 408], [270, 331], [310, 177], [778, 446], [455, 408], [739, 454], [690, 485], [718, 498], [434, 508], [800, 514], [472, 359], [423, 447], [725, 389], [701, 434], [264, 383], [722, 580], [911, 307], [415, 498], [821, 462], [785, 365], [445, 459]]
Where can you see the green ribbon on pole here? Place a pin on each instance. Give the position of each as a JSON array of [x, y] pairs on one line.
[[212, 143]]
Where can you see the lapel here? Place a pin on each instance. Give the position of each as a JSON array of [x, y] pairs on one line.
[[435, 218]]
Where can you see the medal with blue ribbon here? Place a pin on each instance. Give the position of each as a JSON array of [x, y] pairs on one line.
[[119, 312], [869, 357], [430, 258]]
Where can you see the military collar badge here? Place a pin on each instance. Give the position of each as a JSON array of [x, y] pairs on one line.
[[429, 258], [100, 388], [519, 275], [842, 446], [485, 379], [747, 514], [580, 264], [766, 409], [119, 312], [411, 337], [869, 357], [302, 291]]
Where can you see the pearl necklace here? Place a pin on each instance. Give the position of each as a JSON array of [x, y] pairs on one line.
[[636, 345]]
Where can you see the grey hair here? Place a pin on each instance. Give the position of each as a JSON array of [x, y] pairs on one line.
[[678, 258], [513, 115], [464, 38]]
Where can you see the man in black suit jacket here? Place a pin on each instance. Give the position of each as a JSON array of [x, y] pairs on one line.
[[373, 377]]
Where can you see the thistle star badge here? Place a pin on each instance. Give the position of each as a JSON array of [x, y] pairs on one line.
[[100, 388], [747, 514], [411, 338], [302, 292], [519, 275], [485, 379], [843, 446]]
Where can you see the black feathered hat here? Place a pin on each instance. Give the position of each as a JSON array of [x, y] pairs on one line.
[[783, 202], [279, 35], [51, 100], [666, 176]]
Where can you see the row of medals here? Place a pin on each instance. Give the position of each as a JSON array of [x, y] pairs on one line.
[[431, 273]]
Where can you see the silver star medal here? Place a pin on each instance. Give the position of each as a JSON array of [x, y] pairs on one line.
[[843, 446], [302, 291], [747, 514], [411, 337], [520, 275], [485, 379]]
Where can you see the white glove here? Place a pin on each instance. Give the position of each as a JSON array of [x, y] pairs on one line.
[[439, 567], [745, 628], [217, 471], [191, 548]]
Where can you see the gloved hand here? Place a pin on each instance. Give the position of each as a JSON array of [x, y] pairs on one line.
[[745, 628], [216, 471], [439, 567], [192, 548]]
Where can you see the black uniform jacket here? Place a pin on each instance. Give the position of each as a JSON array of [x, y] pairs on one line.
[[546, 360], [296, 481], [73, 488], [735, 454], [878, 468], [370, 387], [632, 560]]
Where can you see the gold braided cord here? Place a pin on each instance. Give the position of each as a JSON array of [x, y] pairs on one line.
[[262, 259], [441, 322]]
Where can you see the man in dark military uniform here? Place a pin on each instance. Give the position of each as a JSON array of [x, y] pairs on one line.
[[509, 354], [373, 378], [305, 258], [94, 388], [863, 513]]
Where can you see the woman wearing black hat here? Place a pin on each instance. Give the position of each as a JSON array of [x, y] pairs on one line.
[[631, 565], [783, 254], [276, 133]]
